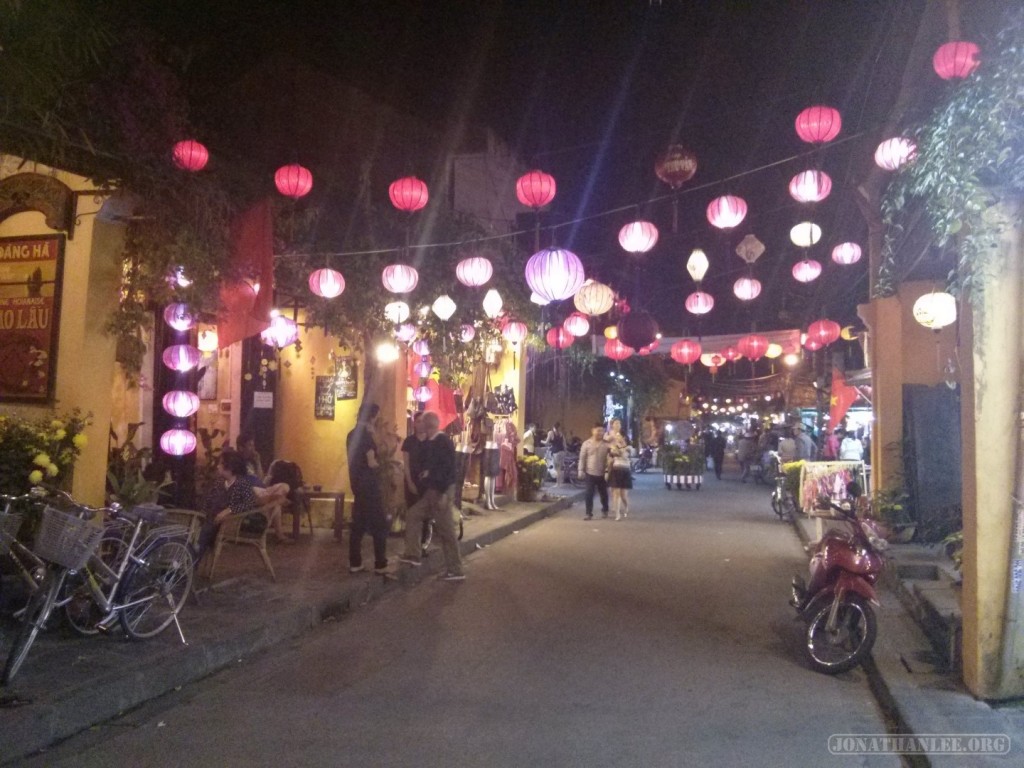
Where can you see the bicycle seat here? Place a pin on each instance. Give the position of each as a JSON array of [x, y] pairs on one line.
[[148, 513]]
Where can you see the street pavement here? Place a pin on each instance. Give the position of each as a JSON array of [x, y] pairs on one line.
[[661, 640]]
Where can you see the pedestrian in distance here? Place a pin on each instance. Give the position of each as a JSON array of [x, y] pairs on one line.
[[620, 478], [592, 467], [851, 449], [368, 514], [717, 452], [436, 482], [412, 459], [805, 448], [556, 450]]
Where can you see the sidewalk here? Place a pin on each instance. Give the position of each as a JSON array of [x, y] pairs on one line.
[[911, 673], [69, 684]]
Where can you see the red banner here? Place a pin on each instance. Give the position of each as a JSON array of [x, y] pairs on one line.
[[244, 312], [843, 396]]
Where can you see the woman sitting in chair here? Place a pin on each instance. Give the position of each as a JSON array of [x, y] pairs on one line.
[[234, 497]]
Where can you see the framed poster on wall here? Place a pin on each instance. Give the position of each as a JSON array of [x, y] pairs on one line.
[[346, 378], [31, 273], [323, 400]]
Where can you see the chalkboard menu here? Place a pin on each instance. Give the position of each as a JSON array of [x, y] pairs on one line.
[[323, 404], [346, 379]]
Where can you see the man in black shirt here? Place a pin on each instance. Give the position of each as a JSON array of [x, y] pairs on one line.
[[436, 481], [412, 450], [367, 503]]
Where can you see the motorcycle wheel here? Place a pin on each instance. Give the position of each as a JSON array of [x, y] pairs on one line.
[[856, 630]]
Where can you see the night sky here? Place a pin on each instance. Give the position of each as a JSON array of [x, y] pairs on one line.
[[593, 91]]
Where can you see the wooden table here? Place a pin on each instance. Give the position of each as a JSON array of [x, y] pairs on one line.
[[306, 495]]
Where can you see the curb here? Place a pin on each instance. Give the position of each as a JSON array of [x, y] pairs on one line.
[[30, 729]]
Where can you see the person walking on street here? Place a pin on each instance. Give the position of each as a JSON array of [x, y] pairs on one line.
[[717, 452], [745, 451], [620, 479], [805, 448], [556, 450], [437, 483], [787, 447], [367, 502], [412, 449], [593, 464]]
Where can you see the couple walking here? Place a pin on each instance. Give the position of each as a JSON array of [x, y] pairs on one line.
[[604, 463]]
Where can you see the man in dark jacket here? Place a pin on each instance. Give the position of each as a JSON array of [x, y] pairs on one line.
[[368, 514], [436, 481]]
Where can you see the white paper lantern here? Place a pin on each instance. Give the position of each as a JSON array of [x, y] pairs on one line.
[[492, 303], [935, 310], [396, 312], [594, 298], [805, 234], [444, 307]]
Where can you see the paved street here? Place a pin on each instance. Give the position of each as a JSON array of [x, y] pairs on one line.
[[661, 640]]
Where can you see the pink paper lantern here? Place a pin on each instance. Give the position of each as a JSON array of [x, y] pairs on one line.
[[812, 344], [807, 270], [408, 194], [179, 317], [699, 303], [810, 186], [535, 189], [638, 237], [894, 153], [181, 357], [400, 278], [818, 124], [281, 332], [956, 60], [474, 271], [685, 352], [327, 283], [554, 274], [421, 347], [753, 346], [405, 333], [559, 338], [747, 288], [732, 354], [727, 211], [293, 181], [577, 324], [514, 332], [423, 369], [181, 403], [190, 155], [846, 254], [177, 442]]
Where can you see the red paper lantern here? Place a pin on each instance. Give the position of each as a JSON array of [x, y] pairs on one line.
[[818, 124], [807, 270], [577, 324], [400, 278], [514, 332], [181, 357], [616, 350], [637, 329], [178, 442], [812, 344], [824, 331], [190, 155], [699, 303], [846, 254], [293, 181], [894, 153], [753, 346], [956, 60], [638, 237], [747, 288], [727, 211], [732, 354], [327, 283], [559, 338], [474, 271], [535, 189], [685, 352], [181, 403], [554, 274], [810, 186], [676, 166], [408, 194]]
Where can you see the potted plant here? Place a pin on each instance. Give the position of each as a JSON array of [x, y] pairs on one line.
[[531, 471], [889, 507]]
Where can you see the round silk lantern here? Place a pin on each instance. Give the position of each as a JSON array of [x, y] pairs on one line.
[[727, 211], [956, 60], [747, 288], [177, 442], [616, 350], [773, 351], [422, 394], [181, 403], [818, 124], [327, 283], [676, 166], [559, 338], [824, 331], [466, 333], [282, 332], [807, 270], [685, 352], [732, 354], [405, 332], [293, 181], [577, 324], [810, 186], [554, 273], [535, 189], [611, 332], [181, 357], [492, 303], [514, 332], [812, 343], [408, 194], [594, 298], [179, 317], [190, 155], [805, 234], [637, 329], [396, 312], [400, 278], [753, 347], [638, 237], [474, 271], [423, 369], [421, 347], [935, 310], [846, 254], [537, 299], [894, 153], [699, 303]]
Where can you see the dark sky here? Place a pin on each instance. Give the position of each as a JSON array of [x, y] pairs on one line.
[[592, 92]]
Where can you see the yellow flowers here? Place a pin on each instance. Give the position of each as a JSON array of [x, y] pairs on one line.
[[41, 460], [35, 477], [52, 470], [32, 450], [80, 441], [60, 434]]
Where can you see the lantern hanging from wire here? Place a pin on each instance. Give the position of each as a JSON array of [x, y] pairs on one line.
[[637, 329], [181, 403], [408, 194], [773, 351], [554, 273], [824, 331], [894, 153], [466, 333], [537, 299], [611, 332], [577, 324], [559, 338], [327, 283], [685, 351], [697, 265], [747, 288], [810, 186], [190, 155], [444, 307], [423, 369], [812, 343], [752, 346], [806, 270], [421, 347], [750, 249], [818, 124], [514, 331], [594, 298], [727, 211], [935, 310], [178, 442], [616, 350], [846, 254], [676, 166], [282, 332], [396, 312], [805, 234], [179, 317], [474, 271], [956, 60], [492, 303], [638, 237], [405, 332], [535, 189], [699, 303], [400, 278], [422, 394], [293, 181], [181, 357], [732, 354]]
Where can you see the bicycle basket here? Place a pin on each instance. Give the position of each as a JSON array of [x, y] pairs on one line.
[[66, 540], [9, 525]]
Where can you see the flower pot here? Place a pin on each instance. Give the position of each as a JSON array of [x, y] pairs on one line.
[[526, 494]]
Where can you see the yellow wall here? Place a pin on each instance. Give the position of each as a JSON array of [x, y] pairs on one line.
[[85, 356]]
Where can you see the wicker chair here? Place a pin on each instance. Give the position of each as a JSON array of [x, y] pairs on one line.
[[232, 531]]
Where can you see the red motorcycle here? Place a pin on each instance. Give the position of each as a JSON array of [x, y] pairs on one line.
[[836, 604]]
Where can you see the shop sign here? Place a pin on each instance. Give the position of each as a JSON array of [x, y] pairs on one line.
[[323, 401]]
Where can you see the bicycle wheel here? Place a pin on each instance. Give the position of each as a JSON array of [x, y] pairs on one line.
[[39, 608], [81, 611], [155, 590]]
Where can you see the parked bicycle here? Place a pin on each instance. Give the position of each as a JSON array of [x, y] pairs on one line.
[[133, 570], [27, 565], [783, 503]]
